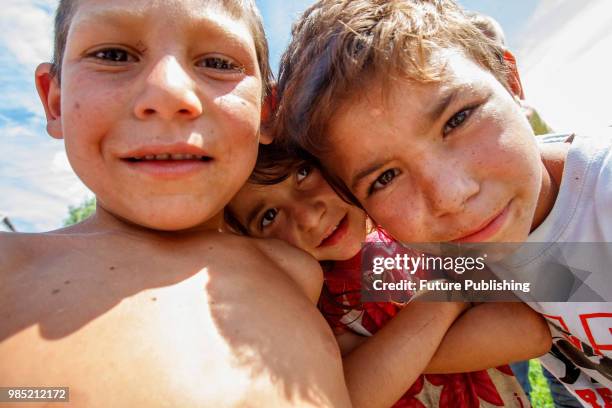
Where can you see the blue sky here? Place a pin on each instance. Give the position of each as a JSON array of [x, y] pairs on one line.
[[37, 184]]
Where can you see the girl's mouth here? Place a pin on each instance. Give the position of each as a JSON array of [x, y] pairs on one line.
[[336, 234]]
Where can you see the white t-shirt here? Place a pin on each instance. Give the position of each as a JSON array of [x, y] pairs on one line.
[[581, 357]]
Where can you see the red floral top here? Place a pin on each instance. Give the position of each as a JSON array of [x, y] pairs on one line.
[[341, 306]]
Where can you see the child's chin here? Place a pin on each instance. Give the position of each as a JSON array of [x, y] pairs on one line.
[[173, 222]]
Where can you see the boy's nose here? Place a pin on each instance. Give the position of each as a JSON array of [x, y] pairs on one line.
[[448, 190], [169, 92]]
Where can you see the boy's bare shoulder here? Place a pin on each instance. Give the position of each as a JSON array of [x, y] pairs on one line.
[[19, 249], [300, 266]]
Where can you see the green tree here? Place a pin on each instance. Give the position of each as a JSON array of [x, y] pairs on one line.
[[80, 212]]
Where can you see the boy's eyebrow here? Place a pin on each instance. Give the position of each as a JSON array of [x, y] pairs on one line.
[[443, 103], [113, 17], [120, 17], [366, 171]]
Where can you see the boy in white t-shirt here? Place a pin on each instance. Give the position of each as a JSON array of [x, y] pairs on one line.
[[415, 113]]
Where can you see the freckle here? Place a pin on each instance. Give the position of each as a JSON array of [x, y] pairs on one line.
[[67, 282], [112, 268], [376, 112], [77, 106], [210, 248], [154, 299], [55, 291]]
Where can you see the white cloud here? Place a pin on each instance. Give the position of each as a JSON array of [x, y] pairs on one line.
[[36, 181], [565, 61], [27, 30]]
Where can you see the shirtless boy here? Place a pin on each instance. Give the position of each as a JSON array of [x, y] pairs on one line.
[[146, 303]]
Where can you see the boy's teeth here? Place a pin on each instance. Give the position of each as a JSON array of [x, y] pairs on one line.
[[168, 156]]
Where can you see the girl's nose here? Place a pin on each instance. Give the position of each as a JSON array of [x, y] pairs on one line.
[[308, 213]]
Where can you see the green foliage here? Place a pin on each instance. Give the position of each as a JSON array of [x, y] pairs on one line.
[[540, 393], [81, 211]]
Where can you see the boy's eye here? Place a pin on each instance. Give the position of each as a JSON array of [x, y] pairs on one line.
[[219, 64], [457, 120], [383, 180], [302, 173], [268, 217], [115, 55]]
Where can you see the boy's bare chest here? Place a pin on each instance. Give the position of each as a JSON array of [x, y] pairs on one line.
[[138, 313]]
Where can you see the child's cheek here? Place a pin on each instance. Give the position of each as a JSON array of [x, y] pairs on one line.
[[241, 110], [90, 98]]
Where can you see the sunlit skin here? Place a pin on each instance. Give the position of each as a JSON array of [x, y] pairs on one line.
[[159, 106], [171, 92], [453, 160], [304, 211]]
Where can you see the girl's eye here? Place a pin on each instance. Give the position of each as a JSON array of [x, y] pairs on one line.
[[115, 55], [219, 64], [383, 180], [457, 120], [268, 217], [302, 173]]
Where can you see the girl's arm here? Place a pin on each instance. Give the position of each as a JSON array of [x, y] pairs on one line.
[[380, 370]]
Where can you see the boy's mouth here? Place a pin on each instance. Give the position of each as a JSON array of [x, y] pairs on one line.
[[169, 157], [169, 161], [486, 230]]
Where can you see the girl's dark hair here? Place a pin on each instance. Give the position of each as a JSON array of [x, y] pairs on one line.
[[275, 163]]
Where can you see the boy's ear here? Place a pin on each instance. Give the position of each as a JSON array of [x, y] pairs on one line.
[[49, 92], [514, 80], [267, 112]]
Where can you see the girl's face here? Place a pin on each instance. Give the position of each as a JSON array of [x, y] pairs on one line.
[[304, 211]]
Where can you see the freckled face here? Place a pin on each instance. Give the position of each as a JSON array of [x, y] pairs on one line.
[[160, 108], [304, 211], [452, 160]]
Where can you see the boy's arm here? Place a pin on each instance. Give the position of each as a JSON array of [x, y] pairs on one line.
[[380, 370], [489, 335]]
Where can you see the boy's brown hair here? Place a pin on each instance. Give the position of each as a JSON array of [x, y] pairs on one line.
[[242, 9], [339, 47]]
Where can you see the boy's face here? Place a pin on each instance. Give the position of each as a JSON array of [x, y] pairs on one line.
[[444, 161], [304, 211], [159, 107]]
